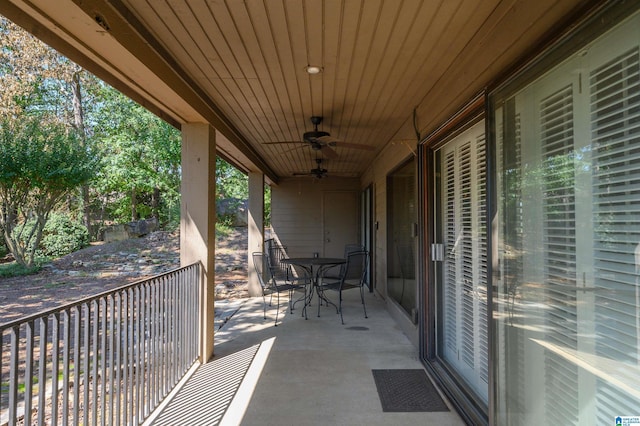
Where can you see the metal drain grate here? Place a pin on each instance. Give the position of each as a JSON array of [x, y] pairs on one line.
[[409, 390]]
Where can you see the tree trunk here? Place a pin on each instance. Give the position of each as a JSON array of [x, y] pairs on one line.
[[78, 118], [134, 205], [155, 203]]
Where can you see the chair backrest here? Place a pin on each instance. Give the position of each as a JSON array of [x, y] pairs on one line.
[[261, 266], [355, 268], [348, 249], [275, 255]]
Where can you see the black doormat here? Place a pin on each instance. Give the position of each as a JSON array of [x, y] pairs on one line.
[[405, 391]]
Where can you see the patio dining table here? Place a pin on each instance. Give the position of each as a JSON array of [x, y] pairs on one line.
[[314, 268]]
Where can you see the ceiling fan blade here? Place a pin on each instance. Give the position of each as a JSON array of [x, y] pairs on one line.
[[334, 142], [284, 142], [328, 152], [328, 139], [311, 175], [296, 147], [354, 146]]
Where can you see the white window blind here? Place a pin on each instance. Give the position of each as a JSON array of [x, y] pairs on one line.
[[465, 329], [481, 248], [559, 240], [450, 288], [615, 115]]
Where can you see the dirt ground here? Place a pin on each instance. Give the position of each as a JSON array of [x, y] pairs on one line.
[[105, 266]]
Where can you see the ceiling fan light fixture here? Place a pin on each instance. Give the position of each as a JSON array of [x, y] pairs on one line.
[[313, 69]]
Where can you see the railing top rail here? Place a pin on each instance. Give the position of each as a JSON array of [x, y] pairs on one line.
[[60, 308]]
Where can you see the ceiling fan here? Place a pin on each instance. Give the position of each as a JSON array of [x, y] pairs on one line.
[[317, 173], [322, 141]]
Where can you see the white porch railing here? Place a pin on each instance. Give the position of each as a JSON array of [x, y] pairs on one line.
[[106, 360]]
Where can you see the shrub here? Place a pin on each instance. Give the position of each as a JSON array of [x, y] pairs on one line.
[[62, 235], [3, 246], [13, 269]]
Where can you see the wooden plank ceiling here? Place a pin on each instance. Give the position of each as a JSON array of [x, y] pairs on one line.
[[377, 60], [244, 63]]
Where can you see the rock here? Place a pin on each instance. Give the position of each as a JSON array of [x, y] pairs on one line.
[[115, 233], [235, 208], [142, 227], [134, 229]]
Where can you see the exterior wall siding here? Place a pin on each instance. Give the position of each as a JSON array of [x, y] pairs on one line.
[[389, 159], [297, 212]]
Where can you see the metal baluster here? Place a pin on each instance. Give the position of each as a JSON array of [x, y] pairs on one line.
[[28, 370], [165, 335], [184, 318], [118, 365], [103, 364], [55, 366], [95, 359], [86, 351], [128, 402], [112, 352], [195, 320], [157, 353], [42, 371], [66, 378], [151, 354], [177, 342], [173, 322], [13, 375], [76, 365], [139, 348]]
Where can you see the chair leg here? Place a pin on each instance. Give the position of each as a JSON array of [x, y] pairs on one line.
[[304, 308], [364, 306], [264, 306], [290, 292], [277, 307], [340, 309]]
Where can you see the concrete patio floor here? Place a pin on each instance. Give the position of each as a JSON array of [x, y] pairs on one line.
[[302, 372]]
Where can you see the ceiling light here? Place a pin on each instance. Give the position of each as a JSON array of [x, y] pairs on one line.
[[312, 69]]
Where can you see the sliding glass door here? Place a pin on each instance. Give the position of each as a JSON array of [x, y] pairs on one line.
[[567, 292], [367, 231], [402, 237], [461, 269]]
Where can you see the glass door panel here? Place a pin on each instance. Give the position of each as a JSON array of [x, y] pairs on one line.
[[566, 292], [401, 237], [461, 283]]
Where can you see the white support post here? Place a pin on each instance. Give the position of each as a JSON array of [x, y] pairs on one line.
[[198, 220], [255, 228]]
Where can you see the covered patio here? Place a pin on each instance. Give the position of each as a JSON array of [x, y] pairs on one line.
[[303, 372], [469, 146]]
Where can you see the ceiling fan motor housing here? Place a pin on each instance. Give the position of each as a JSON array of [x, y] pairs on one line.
[[319, 173], [312, 137]]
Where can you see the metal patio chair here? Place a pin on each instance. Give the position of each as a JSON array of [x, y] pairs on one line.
[[336, 272], [270, 284], [352, 276]]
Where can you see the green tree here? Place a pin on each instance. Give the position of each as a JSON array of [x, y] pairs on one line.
[[141, 177], [41, 162], [230, 182], [38, 80]]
